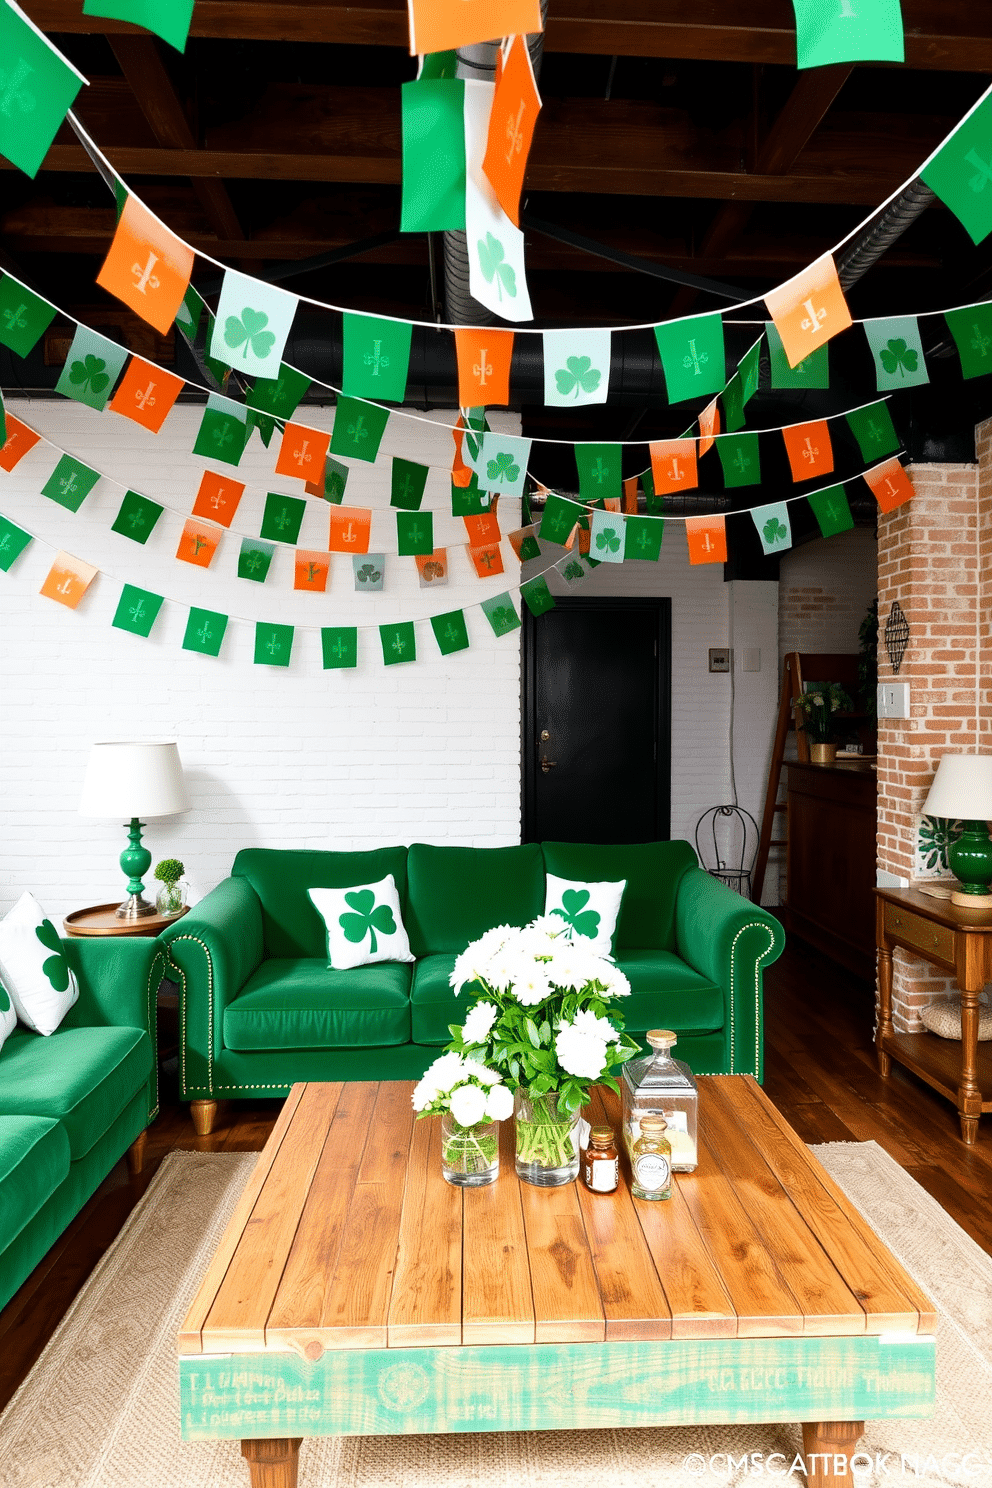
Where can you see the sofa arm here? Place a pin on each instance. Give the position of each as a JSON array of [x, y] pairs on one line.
[[118, 979], [729, 940], [212, 951]]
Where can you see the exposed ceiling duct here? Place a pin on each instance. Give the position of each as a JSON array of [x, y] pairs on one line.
[[878, 236]]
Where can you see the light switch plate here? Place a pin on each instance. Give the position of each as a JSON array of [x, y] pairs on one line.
[[893, 699], [719, 659]]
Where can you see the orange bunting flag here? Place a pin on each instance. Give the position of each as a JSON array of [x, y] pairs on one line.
[[19, 440], [350, 528], [303, 452], [890, 484], [707, 539], [630, 496], [516, 105], [483, 529], [673, 465], [146, 394], [442, 25], [709, 427], [809, 309], [198, 543], [218, 497], [611, 503], [809, 449], [432, 567], [68, 579], [487, 560], [311, 569], [484, 357], [148, 267], [585, 539]]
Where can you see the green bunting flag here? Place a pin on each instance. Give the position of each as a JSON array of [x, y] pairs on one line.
[[450, 632], [692, 355], [39, 88], [223, 431], [733, 404], [335, 481], [376, 357], [599, 467], [848, 31], [205, 632], [219, 370], [898, 352], [606, 539], [191, 307], [560, 517], [273, 644], [70, 483], [92, 367], [774, 526], [741, 460], [414, 533], [576, 367], [358, 429], [339, 645], [254, 559], [252, 324], [537, 596], [137, 517], [500, 613], [832, 510], [433, 121], [438, 65], [872, 428], [167, 18], [502, 464], [961, 172], [749, 370], [24, 317], [13, 541], [972, 332], [3, 423], [279, 395], [469, 501], [643, 539], [369, 571], [812, 372], [283, 518], [398, 643], [137, 611], [408, 483]]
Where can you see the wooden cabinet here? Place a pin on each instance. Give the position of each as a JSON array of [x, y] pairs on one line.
[[830, 872]]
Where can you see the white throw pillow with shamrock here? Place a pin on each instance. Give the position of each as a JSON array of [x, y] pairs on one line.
[[588, 911], [8, 1018], [364, 924], [33, 968]]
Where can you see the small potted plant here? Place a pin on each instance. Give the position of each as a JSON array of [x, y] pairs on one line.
[[818, 709], [171, 897]]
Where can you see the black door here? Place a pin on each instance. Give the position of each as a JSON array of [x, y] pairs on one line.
[[597, 721]]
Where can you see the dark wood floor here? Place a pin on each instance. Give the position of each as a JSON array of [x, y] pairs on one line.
[[819, 1070]]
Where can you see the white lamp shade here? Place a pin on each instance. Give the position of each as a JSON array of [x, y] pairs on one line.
[[962, 788], [133, 778]]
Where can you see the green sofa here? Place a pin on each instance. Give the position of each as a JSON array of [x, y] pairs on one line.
[[73, 1103], [260, 1009]]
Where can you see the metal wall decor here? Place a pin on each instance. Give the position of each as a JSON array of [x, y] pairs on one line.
[[896, 636]]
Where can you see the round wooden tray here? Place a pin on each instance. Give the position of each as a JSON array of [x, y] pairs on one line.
[[102, 919]]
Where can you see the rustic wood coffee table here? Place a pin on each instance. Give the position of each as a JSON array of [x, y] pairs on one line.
[[355, 1292]]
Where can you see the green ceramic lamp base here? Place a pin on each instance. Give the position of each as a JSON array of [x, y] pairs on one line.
[[135, 862], [970, 860]]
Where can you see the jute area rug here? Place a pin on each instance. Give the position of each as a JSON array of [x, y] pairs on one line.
[[100, 1408]]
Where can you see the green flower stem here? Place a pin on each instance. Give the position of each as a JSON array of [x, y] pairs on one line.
[[466, 1151], [544, 1137]]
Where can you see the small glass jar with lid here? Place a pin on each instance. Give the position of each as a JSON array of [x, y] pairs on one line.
[[659, 1085]]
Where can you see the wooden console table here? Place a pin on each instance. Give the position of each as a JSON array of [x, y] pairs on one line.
[[957, 941]]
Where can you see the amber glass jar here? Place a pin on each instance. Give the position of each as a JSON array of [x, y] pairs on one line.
[[601, 1161]]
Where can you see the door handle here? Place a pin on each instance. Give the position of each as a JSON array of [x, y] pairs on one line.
[[547, 764]]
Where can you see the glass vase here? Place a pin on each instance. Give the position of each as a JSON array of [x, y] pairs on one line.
[[469, 1154], [171, 898], [547, 1140]]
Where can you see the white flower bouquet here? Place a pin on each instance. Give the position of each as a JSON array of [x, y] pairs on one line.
[[469, 1097]]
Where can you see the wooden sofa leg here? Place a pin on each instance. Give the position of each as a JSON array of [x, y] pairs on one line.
[[136, 1154], [204, 1114]]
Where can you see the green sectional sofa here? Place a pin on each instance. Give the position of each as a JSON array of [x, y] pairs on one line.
[[260, 1008], [73, 1103]]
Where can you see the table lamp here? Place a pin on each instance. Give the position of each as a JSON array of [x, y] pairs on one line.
[[130, 780], [962, 791]]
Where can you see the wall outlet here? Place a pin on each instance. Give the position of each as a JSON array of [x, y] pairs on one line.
[[893, 699], [719, 659]]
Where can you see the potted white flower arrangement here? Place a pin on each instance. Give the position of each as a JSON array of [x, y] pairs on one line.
[[470, 1100]]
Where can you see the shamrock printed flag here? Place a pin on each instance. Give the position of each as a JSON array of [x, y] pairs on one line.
[[644, 538], [414, 533], [255, 559], [898, 352], [24, 316], [599, 470], [872, 428], [252, 324], [692, 354], [432, 569], [450, 632], [972, 332], [707, 538], [376, 357], [339, 646], [809, 449], [812, 372], [487, 560], [500, 613], [146, 394], [573, 570], [398, 643], [516, 105], [223, 431], [537, 596], [70, 483], [13, 541], [502, 464], [19, 440], [350, 529], [68, 580], [497, 277], [38, 89], [890, 484], [198, 542], [91, 368], [607, 537], [283, 517], [369, 572], [332, 486], [137, 517], [408, 483], [576, 367], [832, 510], [148, 267], [311, 570], [741, 460], [774, 527], [302, 452], [560, 517], [709, 427], [961, 172], [358, 429], [167, 18], [809, 309], [273, 644], [484, 357], [279, 395], [848, 31], [673, 465], [433, 120], [217, 498], [443, 25], [525, 544], [205, 632], [137, 610]]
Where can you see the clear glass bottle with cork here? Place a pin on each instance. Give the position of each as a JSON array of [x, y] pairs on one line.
[[659, 1085], [651, 1162]]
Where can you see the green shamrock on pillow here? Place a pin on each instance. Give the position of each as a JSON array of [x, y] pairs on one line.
[[4, 999], [583, 921], [367, 920], [55, 967]]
